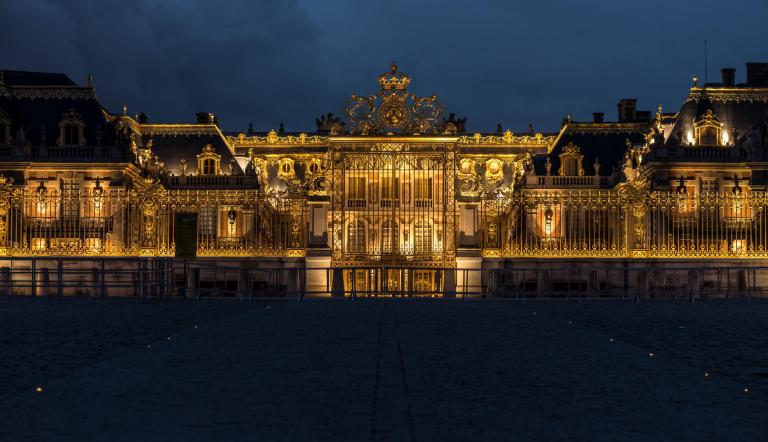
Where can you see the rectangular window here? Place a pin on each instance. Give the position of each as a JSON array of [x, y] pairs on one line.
[[422, 192], [70, 198], [71, 135], [207, 220], [708, 185], [356, 192], [390, 191], [209, 167]]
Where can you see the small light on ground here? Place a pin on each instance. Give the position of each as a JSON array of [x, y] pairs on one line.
[[746, 390], [149, 346], [650, 354], [39, 389], [169, 338], [195, 326], [611, 339], [706, 375]]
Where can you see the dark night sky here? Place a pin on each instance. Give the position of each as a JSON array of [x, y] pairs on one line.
[[512, 62]]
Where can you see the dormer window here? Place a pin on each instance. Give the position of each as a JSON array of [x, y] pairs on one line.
[[209, 167], [208, 161], [570, 161], [71, 129], [708, 130], [71, 135]]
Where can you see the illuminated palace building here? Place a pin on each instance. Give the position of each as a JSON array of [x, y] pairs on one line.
[[398, 196]]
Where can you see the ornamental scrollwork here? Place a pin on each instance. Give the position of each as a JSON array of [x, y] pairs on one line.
[[394, 109]]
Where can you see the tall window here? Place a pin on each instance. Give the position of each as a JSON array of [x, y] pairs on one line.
[[207, 221], [389, 236], [422, 192], [70, 201], [356, 236], [390, 191], [356, 192], [422, 236], [209, 167]]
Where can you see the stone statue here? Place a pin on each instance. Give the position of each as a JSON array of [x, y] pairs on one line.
[[548, 167], [596, 166], [629, 171]]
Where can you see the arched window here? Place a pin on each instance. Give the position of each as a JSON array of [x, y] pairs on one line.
[[422, 236], [570, 161], [71, 129], [389, 236], [356, 236], [208, 161], [708, 129]]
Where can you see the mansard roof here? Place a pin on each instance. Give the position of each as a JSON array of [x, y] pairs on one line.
[[30, 78], [739, 108], [35, 103], [174, 142], [605, 141]]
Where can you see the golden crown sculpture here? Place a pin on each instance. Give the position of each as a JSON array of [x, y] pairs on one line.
[[394, 79]]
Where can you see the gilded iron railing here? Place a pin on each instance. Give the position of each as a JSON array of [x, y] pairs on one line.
[[709, 224], [617, 223], [98, 222], [555, 224]]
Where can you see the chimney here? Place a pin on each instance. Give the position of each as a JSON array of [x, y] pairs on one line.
[[597, 117], [627, 108], [729, 76], [205, 118], [757, 74]]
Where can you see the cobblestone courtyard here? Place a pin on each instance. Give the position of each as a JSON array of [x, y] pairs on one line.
[[120, 369]]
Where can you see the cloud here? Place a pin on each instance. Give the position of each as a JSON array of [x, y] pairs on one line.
[[273, 60]]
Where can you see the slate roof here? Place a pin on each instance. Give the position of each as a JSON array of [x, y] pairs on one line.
[[39, 116], [171, 149], [29, 78], [595, 143]]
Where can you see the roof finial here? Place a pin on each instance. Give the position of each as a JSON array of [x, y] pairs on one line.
[[125, 109], [90, 81]]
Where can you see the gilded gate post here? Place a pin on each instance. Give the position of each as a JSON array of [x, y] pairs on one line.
[[148, 201], [5, 205]]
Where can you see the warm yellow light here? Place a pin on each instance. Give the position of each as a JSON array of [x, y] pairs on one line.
[[689, 137], [726, 137], [39, 389]]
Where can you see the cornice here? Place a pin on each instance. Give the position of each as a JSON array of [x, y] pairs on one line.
[[728, 94], [48, 92]]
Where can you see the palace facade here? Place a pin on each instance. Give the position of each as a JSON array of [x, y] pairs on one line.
[[396, 196]]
